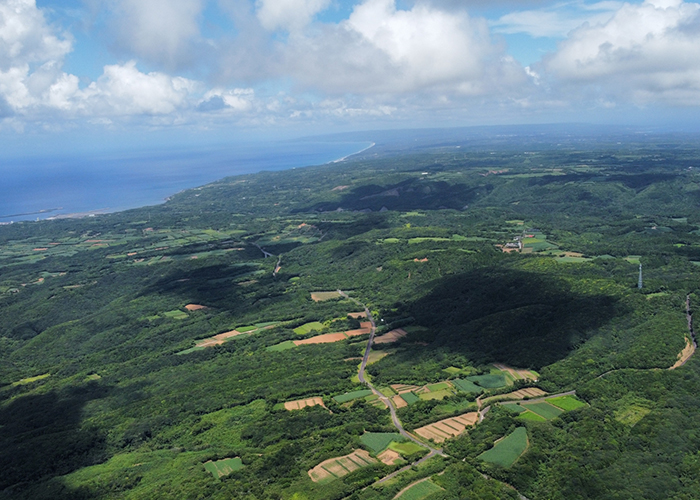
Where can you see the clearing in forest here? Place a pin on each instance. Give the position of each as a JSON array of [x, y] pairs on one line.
[[685, 354], [389, 457], [418, 491], [195, 307], [307, 328], [303, 403], [340, 466], [329, 338], [507, 450], [322, 296], [223, 467], [566, 403], [349, 396], [391, 336], [448, 428], [358, 315], [517, 373]]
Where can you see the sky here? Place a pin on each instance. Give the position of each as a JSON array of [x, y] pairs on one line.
[[96, 74]]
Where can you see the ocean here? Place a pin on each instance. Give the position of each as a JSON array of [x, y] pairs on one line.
[[33, 189]]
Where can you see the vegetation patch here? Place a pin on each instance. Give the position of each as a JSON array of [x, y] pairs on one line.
[[567, 403], [323, 296], [176, 314], [489, 381], [506, 451], [223, 467], [29, 380], [379, 441], [349, 396], [419, 490], [283, 346], [467, 386], [544, 410], [409, 397], [405, 448], [533, 417], [309, 327]]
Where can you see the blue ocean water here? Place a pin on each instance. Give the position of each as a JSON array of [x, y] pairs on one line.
[[34, 188]]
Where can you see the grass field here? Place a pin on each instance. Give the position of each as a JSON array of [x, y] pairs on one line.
[[440, 386], [224, 467], [410, 398], [309, 327], [289, 344], [245, 329], [405, 447], [322, 296], [425, 396], [379, 441], [490, 381], [349, 396], [508, 449], [452, 370], [176, 314], [29, 380], [544, 410], [420, 490], [567, 403], [466, 385]]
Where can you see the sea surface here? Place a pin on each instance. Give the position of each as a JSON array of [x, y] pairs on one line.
[[41, 188]]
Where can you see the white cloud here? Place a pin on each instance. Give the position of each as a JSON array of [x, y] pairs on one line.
[[384, 50], [291, 15], [555, 21], [159, 31], [646, 52]]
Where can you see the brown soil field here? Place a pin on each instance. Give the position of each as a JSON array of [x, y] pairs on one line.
[[195, 307], [357, 315], [328, 338], [303, 403], [530, 392], [218, 339], [401, 388], [684, 355], [399, 402], [341, 466], [365, 328], [40, 249], [391, 336], [339, 188], [389, 457], [321, 296], [448, 428], [424, 259], [516, 373], [375, 356]]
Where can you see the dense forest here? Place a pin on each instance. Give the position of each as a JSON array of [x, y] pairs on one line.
[[200, 348]]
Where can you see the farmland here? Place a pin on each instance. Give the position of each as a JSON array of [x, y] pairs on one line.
[[224, 467], [506, 451], [334, 468]]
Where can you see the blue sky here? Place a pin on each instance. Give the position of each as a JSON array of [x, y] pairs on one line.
[[120, 73]]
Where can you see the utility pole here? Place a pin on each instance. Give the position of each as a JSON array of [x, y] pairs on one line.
[[639, 283]]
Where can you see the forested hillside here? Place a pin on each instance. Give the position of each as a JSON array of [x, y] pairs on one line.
[[210, 347]]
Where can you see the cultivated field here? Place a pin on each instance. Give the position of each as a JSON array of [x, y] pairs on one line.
[[303, 403], [391, 336], [448, 428], [507, 450], [321, 296], [518, 374], [379, 441], [389, 457], [195, 307], [309, 327], [530, 392], [349, 396], [340, 466], [329, 338], [418, 490], [223, 467], [566, 403]]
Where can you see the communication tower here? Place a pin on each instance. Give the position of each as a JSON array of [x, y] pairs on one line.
[[639, 283]]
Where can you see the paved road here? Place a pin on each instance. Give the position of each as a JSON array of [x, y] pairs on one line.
[[387, 401]]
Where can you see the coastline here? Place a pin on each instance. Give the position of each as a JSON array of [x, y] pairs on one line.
[[131, 186], [352, 154]]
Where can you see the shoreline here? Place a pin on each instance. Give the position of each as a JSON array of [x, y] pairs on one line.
[[79, 214], [352, 154]]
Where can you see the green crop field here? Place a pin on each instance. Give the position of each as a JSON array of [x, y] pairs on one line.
[[175, 314], [513, 407], [245, 329], [490, 381], [349, 396], [283, 346], [544, 410], [508, 449], [410, 398], [224, 467], [567, 403], [466, 385], [379, 441], [308, 327], [419, 491], [533, 417]]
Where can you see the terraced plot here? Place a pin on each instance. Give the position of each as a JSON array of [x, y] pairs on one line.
[[223, 467], [448, 428], [334, 468], [391, 336], [303, 403], [530, 392]]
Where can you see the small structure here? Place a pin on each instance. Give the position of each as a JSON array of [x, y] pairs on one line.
[[639, 283]]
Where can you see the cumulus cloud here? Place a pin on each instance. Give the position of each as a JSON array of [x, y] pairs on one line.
[[647, 52], [291, 15], [165, 32], [382, 49]]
